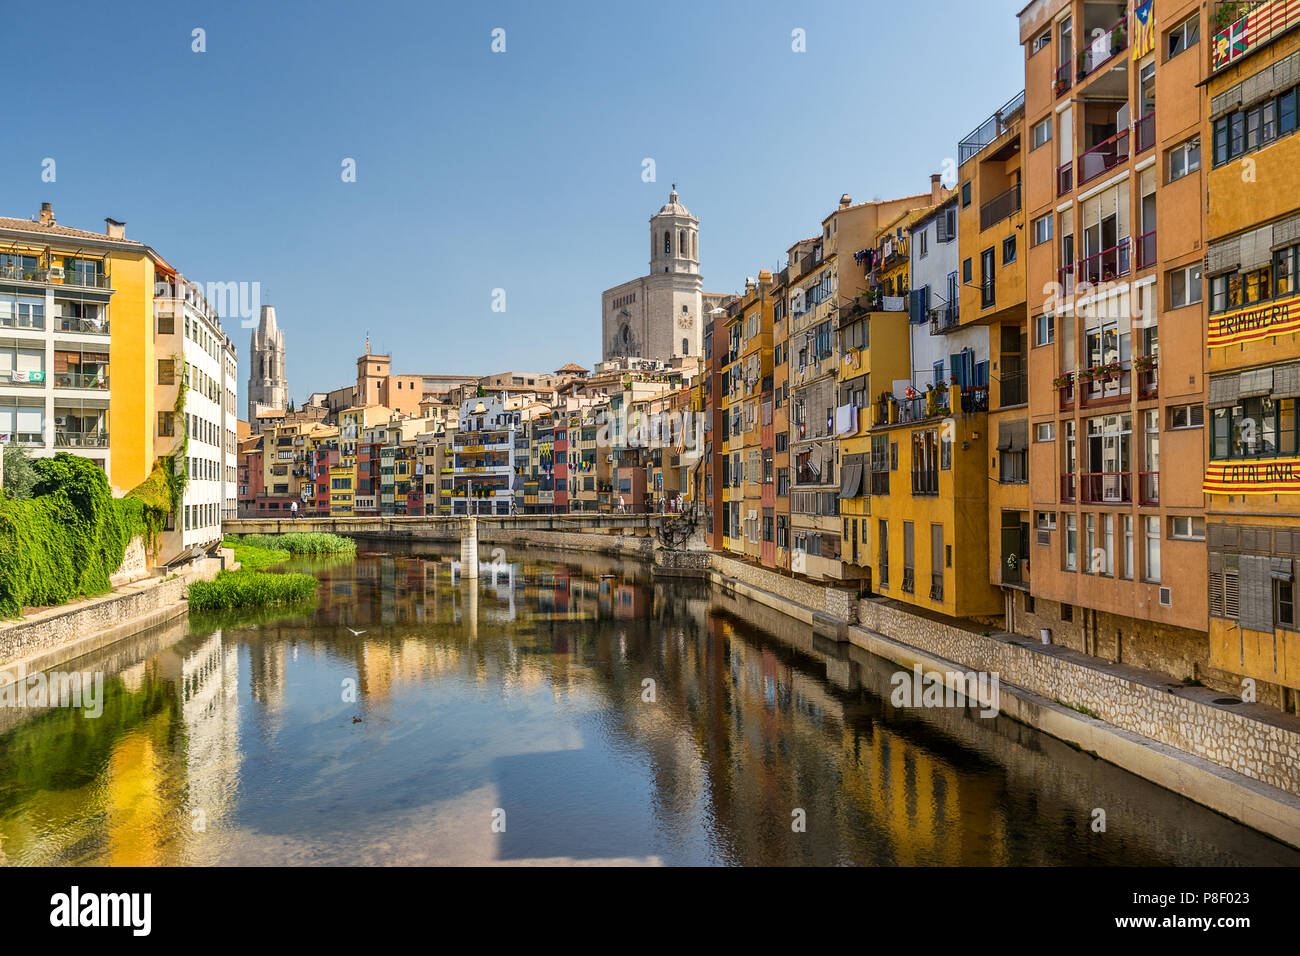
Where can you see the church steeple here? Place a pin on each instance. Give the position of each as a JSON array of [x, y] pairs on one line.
[[674, 238], [267, 384]]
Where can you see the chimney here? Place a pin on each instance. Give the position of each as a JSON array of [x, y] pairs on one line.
[[115, 229], [47, 214], [936, 190], [845, 201], [749, 283]]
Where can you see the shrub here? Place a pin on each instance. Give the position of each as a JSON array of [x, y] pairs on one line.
[[19, 474], [251, 589], [301, 542], [68, 539]]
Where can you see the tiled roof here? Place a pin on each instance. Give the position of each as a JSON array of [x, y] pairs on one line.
[[59, 232]]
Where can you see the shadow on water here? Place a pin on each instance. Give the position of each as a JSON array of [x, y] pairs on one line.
[[564, 707]]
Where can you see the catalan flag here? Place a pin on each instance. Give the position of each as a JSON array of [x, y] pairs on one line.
[[1144, 30]]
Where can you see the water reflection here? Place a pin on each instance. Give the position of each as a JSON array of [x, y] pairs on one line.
[[614, 717]]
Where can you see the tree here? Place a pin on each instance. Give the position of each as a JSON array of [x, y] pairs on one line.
[[19, 476]]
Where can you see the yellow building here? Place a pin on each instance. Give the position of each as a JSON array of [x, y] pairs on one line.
[[1252, 477]]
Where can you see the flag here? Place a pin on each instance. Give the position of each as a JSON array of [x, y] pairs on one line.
[[1144, 30], [1231, 43]]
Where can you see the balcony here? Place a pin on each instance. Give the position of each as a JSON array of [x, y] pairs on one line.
[[1064, 178], [1144, 133], [1148, 380], [1107, 487], [1064, 386], [909, 580], [1063, 80], [23, 378], [1146, 250], [992, 128], [945, 319], [1106, 155], [71, 324], [94, 380], [65, 438], [1109, 264], [33, 322], [975, 399], [1148, 488], [1014, 388], [1069, 488], [1000, 207], [1103, 49], [1105, 384]]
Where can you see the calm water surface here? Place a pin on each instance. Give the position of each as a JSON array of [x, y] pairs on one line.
[[528, 699]]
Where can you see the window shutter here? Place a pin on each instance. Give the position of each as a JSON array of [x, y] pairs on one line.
[[1256, 584], [941, 226]]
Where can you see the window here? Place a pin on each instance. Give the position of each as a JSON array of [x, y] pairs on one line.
[[1008, 250], [1042, 133], [166, 425], [966, 271], [1045, 431], [166, 323], [1043, 229], [1186, 34], [965, 195], [1185, 158], [1071, 543], [166, 372], [1256, 127], [1184, 286], [1045, 329], [1258, 427], [924, 245], [1040, 41], [1187, 416], [1187, 528], [1152, 525]]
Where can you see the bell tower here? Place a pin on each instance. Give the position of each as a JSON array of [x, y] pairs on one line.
[[674, 239]]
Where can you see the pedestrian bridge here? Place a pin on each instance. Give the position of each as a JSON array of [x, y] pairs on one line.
[[450, 527]]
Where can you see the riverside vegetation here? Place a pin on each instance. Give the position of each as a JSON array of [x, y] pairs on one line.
[[252, 585]]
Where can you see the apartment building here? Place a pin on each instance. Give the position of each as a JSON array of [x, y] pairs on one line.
[[1117, 361], [195, 354], [780, 438], [992, 301], [732, 436], [1253, 316], [484, 457]]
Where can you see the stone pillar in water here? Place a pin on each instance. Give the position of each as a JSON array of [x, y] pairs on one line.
[[469, 550]]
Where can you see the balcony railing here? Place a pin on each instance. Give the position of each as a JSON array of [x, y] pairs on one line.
[[993, 127], [944, 319], [1148, 378], [1000, 207], [1112, 263], [880, 482], [1146, 250], [1104, 48], [1014, 388], [1105, 385], [70, 324], [64, 438], [1065, 389], [1107, 487], [882, 575], [1144, 133], [936, 587], [1063, 80], [1065, 178], [22, 322], [975, 399], [909, 580], [1069, 488], [1148, 487], [1065, 277], [22, 377], [80, 380], [988, 292], [1106, 155]]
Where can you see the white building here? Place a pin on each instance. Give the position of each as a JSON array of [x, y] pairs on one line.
[[192, 348], [484, 465]]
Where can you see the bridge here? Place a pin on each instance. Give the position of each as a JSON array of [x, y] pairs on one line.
[[453, 527]]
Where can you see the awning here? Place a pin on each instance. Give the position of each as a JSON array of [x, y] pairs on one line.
[[852, 479], [1224, 390], [1013, 436]]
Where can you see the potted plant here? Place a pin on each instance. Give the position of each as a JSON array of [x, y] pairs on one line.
[[1063, 381], [1144, 363]]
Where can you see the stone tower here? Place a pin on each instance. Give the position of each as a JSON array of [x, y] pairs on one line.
[[659, 315], [267, 387]]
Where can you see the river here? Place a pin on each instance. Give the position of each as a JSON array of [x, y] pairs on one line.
[[566, 709]]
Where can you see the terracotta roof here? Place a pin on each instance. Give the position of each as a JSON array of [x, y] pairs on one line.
[[61, 232], [572, 367]]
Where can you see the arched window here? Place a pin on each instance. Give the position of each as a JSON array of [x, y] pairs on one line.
[[668, 242], [695, 245], [682, 249], [686, 347]]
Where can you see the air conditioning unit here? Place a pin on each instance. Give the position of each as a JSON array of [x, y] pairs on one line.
[[1166, 597], [56, 272], [609, 458], [60, 420]]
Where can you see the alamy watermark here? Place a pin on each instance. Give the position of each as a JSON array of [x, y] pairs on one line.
[[917, 688], [81, 689]]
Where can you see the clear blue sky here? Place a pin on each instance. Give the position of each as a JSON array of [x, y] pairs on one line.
[[476, 170]]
